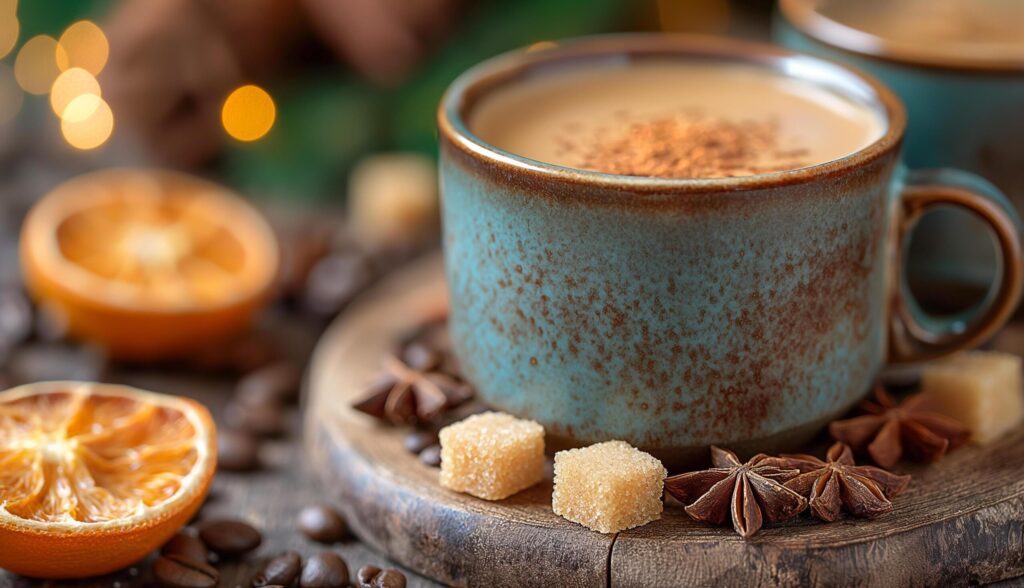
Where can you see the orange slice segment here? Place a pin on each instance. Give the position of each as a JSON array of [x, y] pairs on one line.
[[96, 476], [149, 264]]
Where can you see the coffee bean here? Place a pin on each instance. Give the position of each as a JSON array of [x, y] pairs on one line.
[[229, 538], [366, 574], [433, 334], [175, 571], [463, 411], [254, 352], [282, 570], [389, 579], [186, 546], [242, 355], [324, 570], [374, 577], [322, 523], [263, 420], [417, 441], [334, 280], [211, 359], [431, 456], [275, 384], [419, 356], [301, 247], [237, 451]]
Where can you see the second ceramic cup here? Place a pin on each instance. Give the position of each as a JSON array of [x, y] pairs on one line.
[[958, 66]]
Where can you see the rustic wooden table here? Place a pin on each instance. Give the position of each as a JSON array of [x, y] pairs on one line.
[[270, 498]]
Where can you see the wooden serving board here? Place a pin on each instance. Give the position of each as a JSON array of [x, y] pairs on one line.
[[960, 521]]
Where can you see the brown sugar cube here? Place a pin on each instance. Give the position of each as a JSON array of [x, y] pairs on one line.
[[393, 199], [492, 455], [981, 389], [608, 487]]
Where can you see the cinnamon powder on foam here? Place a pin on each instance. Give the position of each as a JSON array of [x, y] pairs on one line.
[[682, 146]]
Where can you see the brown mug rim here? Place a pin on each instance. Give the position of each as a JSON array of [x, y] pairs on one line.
[[803, 16], [470, 85]]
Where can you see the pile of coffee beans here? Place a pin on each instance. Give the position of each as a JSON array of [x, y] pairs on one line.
[[189, 559], [425, 444], [258, 410], [185, 560], [322, 268], [427, 347]]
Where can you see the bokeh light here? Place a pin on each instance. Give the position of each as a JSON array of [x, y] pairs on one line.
[[71, 84], [694, 16], [248, 113], [11, 97], [9, 26], [86, 46], [39, 62], [87, 122]]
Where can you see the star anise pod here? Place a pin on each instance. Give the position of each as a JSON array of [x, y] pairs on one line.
[[749, 493], [406, 395], [889, 430], [837, 484]]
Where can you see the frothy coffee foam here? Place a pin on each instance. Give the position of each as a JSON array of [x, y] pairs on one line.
[[674, 118]]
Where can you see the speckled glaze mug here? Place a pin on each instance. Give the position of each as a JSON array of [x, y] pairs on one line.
[[673, 314]]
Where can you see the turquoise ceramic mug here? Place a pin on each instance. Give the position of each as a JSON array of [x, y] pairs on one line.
[[674, 313], [958, 66]]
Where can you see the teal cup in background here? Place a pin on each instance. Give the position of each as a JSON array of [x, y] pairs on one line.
[[673, 313], [965, 105]]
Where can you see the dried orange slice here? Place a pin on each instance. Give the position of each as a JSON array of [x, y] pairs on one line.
[[148, 264], [95, 476]]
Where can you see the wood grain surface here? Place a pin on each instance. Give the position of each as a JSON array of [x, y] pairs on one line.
[[960, 522]]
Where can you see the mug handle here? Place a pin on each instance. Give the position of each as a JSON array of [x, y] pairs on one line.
[[916, 336]]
